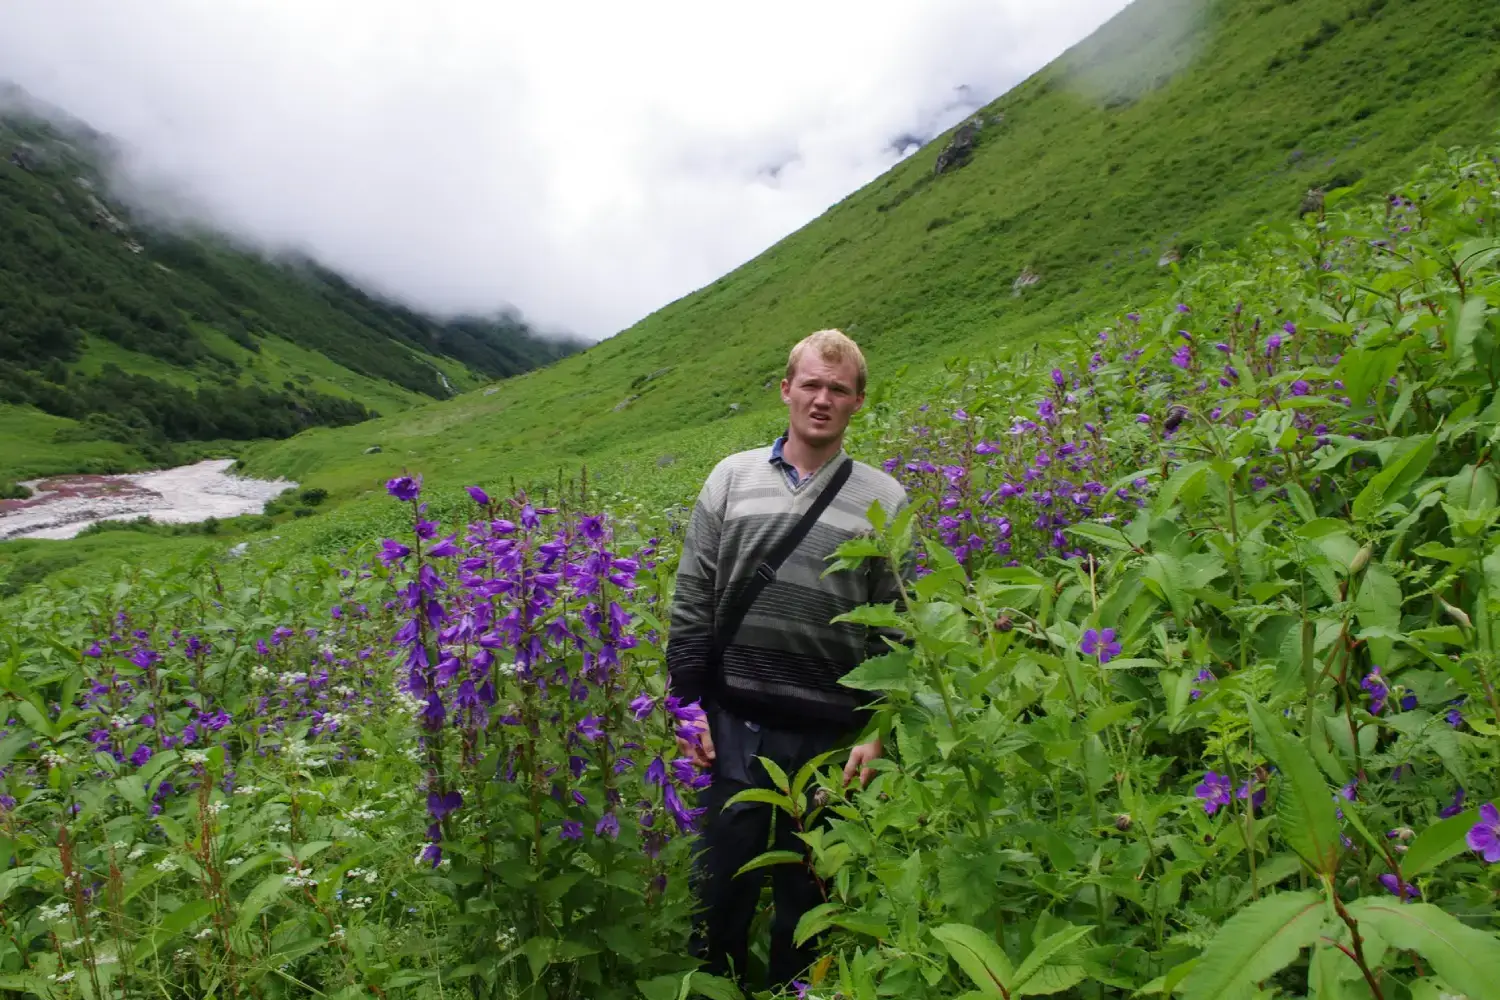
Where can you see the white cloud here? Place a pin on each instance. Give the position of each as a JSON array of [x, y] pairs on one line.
[[586, 162]]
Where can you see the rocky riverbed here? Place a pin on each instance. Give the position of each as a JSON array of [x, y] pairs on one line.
[[62, 506]]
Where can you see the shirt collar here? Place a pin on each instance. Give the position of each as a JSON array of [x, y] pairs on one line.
[[779, 459]]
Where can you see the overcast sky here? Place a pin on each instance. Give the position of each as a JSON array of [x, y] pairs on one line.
[[586, 162]]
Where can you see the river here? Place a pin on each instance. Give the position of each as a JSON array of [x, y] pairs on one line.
[[62, 506]]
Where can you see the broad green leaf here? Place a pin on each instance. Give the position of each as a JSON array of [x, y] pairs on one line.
[[770, 858], [1051, 979], [763, 795], [1112, 538], [1305, 805], [815, 921], [173, 924], [979, 956], [1468, 958], [262, 896], [1395, 480], [888, 672], [873, 615], [1256, 942], [14, 877], [1436, 844], [1043, 953]]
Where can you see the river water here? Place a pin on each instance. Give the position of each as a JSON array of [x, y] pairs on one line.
[[62, 506]]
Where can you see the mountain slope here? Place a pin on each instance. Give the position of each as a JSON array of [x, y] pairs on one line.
[[1179, 124], [150, 337]]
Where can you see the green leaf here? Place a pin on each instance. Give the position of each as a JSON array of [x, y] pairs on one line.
[[1043, 952], [815, 921], [763, 795], [778, 776], [1051, 979], [1469, 959], [1436, 844], [1112, 538], [173, 924], [262, 896], [1256, 942], [979, 956], [888, 672], [1395, 480], [1305, 806], [873, 615], [770, 858], [1177, 484]]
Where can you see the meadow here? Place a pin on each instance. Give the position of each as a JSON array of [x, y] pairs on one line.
[[1197, 699]]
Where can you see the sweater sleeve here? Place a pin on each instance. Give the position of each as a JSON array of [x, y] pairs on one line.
[[690, 636]]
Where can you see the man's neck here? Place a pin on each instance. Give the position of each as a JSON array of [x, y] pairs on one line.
[[804, 457]]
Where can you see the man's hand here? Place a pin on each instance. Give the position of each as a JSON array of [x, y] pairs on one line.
[[858, 758], [701, 752]]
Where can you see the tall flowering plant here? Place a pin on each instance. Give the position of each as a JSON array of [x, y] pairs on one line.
[[556, 802]]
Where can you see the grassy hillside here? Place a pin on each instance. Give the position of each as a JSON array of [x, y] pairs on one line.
[[149, 338], [1180, 124]]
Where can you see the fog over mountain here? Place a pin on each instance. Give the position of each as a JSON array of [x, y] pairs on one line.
[[585, 164]]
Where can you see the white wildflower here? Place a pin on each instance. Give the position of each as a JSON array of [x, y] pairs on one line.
[[206, 932], [261, 672], [136, 854], [343, 689], [118, 721], [232, 862], [371, 752], [337, 935], [66, 977], [214, 808], [365, 814], [409, 703], [328, 649], [359, 902], [50, 913], [53, 758], [106, 958], [195, 756], [73, 943], [247, 790], [165, 865], [281, 827], [120, 845]]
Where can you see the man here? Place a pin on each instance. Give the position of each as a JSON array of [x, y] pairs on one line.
[[775, 691]]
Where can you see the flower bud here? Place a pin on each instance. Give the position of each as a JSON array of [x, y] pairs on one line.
[[1004, 623], [1361, 559], [1122, 822], [1457, 614], [820, 797], [1174, 419]]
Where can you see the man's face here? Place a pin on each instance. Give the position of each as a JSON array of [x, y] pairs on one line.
[[820, 398]]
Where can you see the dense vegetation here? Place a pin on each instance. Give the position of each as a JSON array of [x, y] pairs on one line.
[[79, 269], [1199, 695], [1181, 123]]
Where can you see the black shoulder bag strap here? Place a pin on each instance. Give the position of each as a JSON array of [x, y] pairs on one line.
[[766, 571]]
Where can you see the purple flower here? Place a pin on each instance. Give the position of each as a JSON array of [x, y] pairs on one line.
[[1100, 643], [1484, 837], [1300, 387], [1403, 891], [1375, 687], [445, 548], [1183, 357], [641, 706], [392, 551], [1142, 418], [1214, 791], [404, 488], [571, 830], [480, 496], [95, 651], [590, 727], [441, 805], [656, 772], [1457, 806], [608, 826], [1057, 378], [1289, 327], [686, 818]]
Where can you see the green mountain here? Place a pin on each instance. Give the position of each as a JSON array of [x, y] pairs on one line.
[[123, 340], [1180, 124]]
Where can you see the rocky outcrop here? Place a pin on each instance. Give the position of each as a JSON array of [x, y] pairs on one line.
[[960, 147], [1024, 280]]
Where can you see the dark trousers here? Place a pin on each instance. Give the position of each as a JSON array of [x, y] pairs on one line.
[[729, 838]]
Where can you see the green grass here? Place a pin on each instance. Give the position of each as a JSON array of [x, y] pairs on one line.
[[1104, 160], [29, 449]]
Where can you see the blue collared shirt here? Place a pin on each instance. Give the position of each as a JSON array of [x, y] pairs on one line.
[[778, 459]]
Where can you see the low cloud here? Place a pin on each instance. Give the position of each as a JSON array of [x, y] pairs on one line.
[[584, 163]]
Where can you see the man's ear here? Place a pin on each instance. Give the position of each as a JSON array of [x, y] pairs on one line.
[[786, 392], [859, 403]]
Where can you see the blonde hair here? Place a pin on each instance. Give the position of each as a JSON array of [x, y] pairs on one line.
[[833, 346]]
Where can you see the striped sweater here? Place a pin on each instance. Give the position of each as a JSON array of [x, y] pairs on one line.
[[783, 665]]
